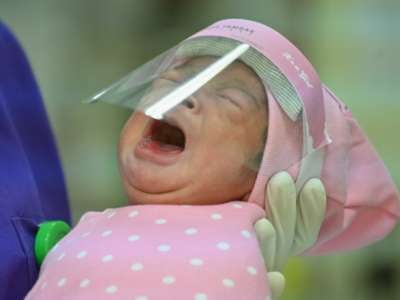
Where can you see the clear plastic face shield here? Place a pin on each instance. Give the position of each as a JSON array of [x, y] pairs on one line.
[[190, 104], [202, 99]]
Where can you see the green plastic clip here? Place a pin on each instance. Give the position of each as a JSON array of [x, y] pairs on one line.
[[48, 235]]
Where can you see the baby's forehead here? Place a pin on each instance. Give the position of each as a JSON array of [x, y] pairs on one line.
[[236, 75], [236, 70]]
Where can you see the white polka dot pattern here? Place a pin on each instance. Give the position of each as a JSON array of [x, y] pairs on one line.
[[107, 258], [84, 283], [201, 296], [62, 282], [191, 231], [136, 267], [85, 234], [252, 270], [81, 254], [196, 262], [112, 289], [216, 216], [61, 256], [168, 280], [164, 248], [153, 252], [160, 221], [224, 246], [228, 282], [133, 213], [106, 233], [246, 234], [133, 238]]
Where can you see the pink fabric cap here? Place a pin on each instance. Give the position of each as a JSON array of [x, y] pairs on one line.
[[363, 202]]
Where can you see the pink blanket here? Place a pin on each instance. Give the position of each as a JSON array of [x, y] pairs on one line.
[[154, 252]]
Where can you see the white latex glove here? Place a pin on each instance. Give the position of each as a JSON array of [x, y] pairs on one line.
[[292, 225]]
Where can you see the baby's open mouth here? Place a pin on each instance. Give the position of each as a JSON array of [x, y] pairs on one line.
[[162, 142], [168, 137]]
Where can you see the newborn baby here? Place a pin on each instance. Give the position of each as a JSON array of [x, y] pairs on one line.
[[204, 154], [196, 178]]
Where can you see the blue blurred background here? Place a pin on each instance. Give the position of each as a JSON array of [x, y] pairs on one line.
[[78, 47]]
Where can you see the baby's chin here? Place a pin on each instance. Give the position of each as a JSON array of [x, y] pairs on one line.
[[184, 196], [149, 183]]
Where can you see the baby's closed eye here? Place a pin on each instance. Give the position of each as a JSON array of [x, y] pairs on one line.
[[238, 97], [233, 101]]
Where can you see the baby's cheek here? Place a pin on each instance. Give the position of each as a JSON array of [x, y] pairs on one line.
[[132, 131], [137, 123]]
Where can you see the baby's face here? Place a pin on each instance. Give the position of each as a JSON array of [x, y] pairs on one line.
[[201, 152]]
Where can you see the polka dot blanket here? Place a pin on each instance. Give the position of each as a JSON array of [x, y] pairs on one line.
[[154, 252]]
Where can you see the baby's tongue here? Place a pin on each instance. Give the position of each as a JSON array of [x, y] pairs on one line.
[[162, 147]]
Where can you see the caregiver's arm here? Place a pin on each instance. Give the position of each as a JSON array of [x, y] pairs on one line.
[[292, 224]]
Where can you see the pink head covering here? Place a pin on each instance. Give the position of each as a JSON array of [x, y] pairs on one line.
[[317, 138]]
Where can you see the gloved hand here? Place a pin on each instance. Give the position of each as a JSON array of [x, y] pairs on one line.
[[292, 224]]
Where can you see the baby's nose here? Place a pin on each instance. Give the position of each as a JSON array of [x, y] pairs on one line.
[[188, 103], [192, 104]]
